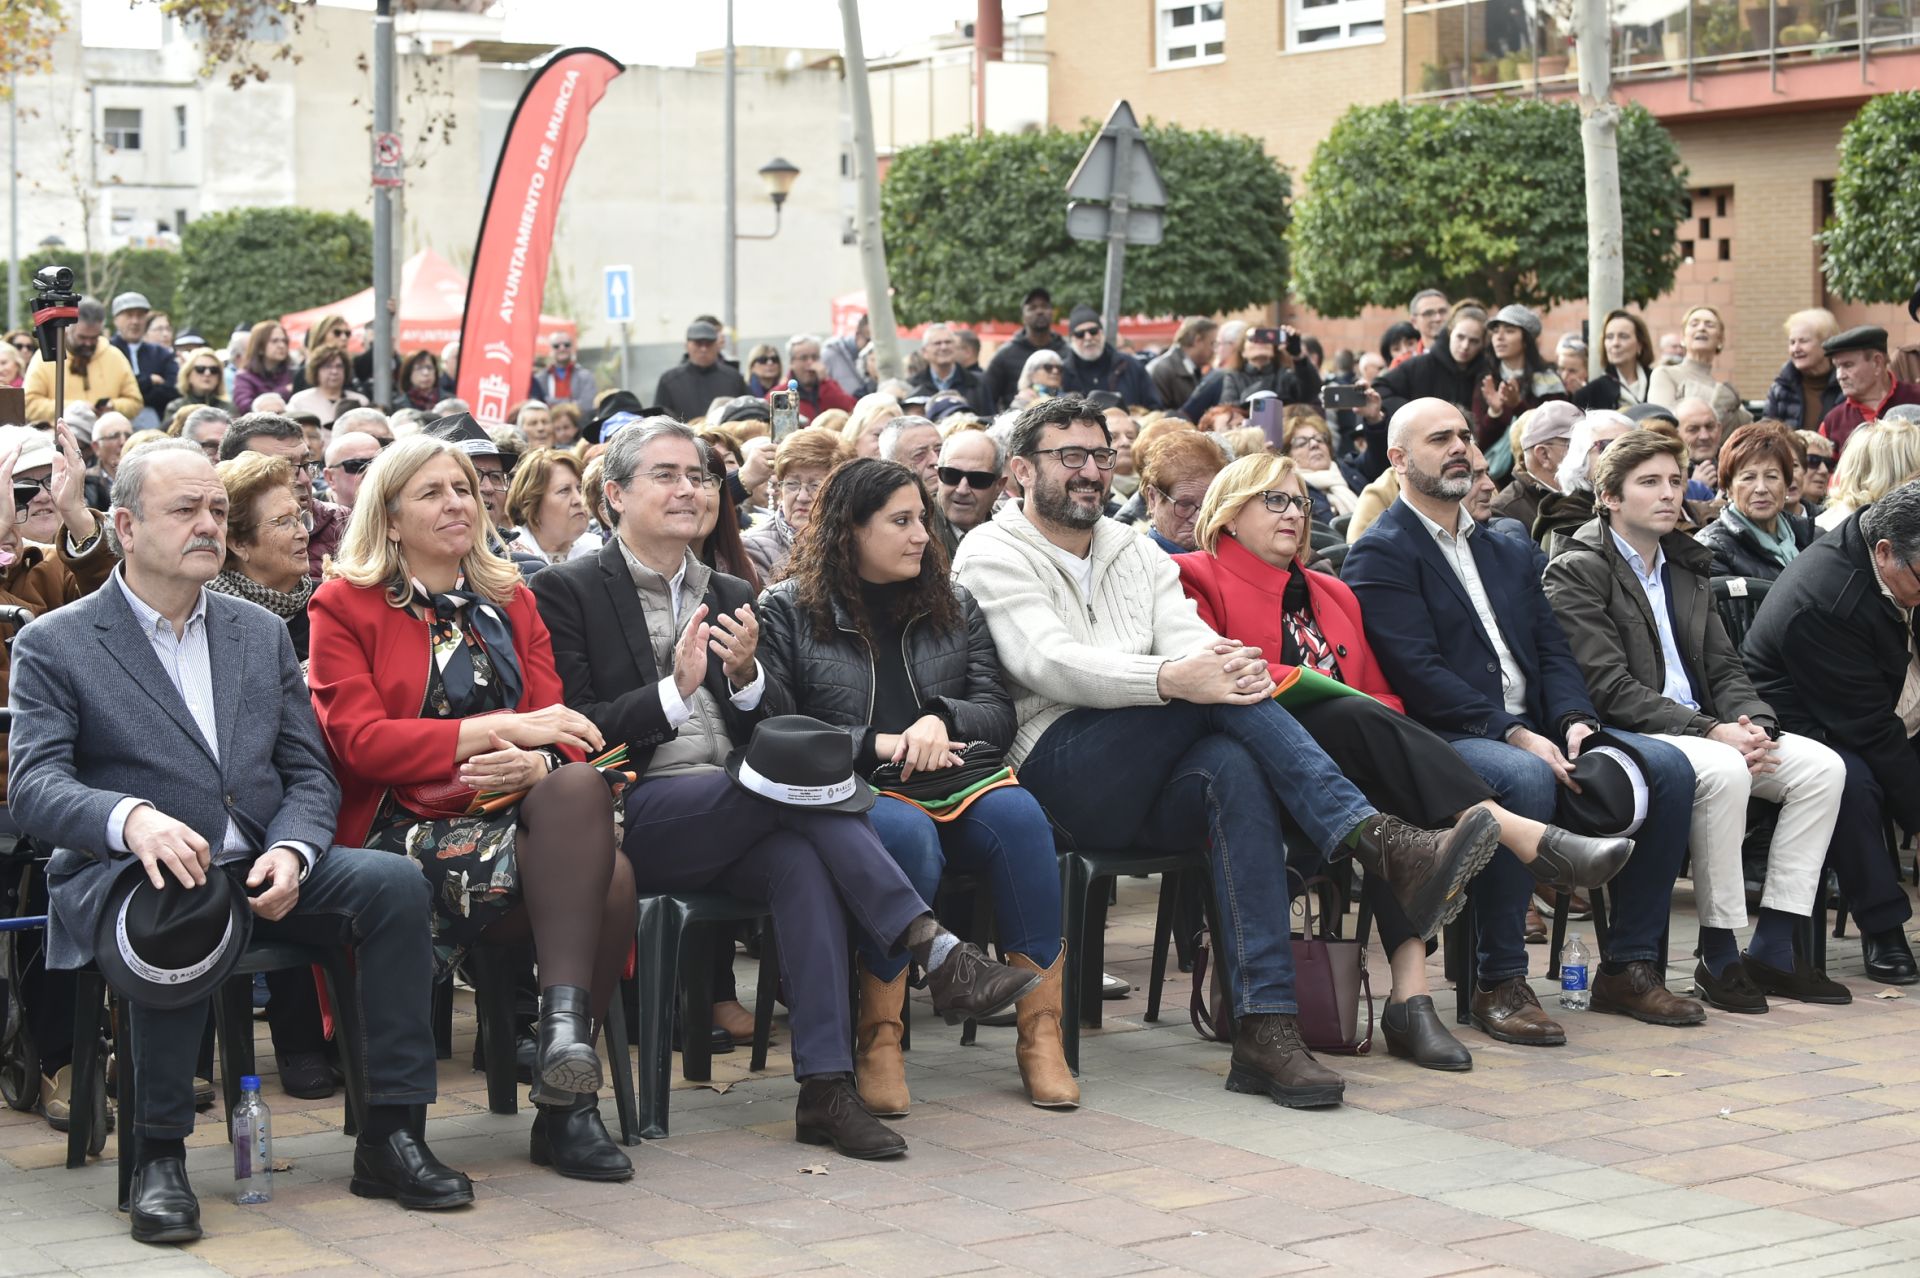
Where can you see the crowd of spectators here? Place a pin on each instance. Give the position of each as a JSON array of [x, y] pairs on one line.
[[955, 621]]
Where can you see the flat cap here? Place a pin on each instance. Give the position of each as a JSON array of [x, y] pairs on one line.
[[1867, 337]]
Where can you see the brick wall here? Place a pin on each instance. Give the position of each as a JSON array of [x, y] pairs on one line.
[[1770, 166]]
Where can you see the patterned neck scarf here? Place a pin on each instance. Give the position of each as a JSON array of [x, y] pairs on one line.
[[456, 619]]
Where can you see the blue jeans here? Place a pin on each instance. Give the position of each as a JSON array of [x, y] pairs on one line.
[[1640, 896], [1003, 835], [1178, 775]]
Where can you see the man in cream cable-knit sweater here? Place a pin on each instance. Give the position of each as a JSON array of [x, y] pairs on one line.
[[1139, 725]]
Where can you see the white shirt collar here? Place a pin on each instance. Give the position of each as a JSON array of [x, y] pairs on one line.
[[149, 617], [1463, 522], [1633, 557]]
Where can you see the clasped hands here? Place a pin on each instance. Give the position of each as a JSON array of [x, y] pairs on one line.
[[1227, 672]]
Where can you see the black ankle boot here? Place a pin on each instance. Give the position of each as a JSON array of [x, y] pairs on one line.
[[567, 1061], [573, 1141]]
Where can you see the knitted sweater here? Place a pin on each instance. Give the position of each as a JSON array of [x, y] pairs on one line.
[[1061, 650]]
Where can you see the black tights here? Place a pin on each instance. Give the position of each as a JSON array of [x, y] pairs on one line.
[[577, 895]]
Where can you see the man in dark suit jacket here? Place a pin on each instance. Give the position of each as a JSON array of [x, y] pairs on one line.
[[1832, 651], [157, 721], [658, 650], [1467, 638]]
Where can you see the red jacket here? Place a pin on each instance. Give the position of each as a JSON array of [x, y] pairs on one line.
[[1850, 415], [367, 668], [826, 394], [1239, 595]]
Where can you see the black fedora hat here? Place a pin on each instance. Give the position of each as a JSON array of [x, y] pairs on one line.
[[802, 763], [170, 946], [464, 433], [1612, 802]]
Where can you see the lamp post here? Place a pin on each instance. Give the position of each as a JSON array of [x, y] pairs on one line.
[[779, 175]]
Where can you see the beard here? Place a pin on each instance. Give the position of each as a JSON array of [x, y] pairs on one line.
[[1438, 485], [1054, 502]]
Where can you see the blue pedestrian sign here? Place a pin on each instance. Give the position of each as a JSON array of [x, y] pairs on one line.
[[619, 290]]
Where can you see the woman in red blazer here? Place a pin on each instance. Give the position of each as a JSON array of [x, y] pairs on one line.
[[429, 665], [1250, 582]]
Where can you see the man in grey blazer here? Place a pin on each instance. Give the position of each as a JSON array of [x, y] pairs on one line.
[[159, 722]]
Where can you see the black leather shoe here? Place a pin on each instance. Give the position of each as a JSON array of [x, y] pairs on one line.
[[1889, 961], [1804, 984], [306, 1075], [1570, 860], [573, 1141], [1731, 991], [567, 1061], [162, 1204], [830, 1113], [971, 985], [1415, 1031], [1428, 870], [404, 1169]]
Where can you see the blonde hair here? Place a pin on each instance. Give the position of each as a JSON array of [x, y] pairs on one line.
[[1823, 322], [141, 438], [1717, 318], [368, 557], [1244, 442], [532, 476], [865, 412], [1879, 457], [1233, 488], [833, 419]]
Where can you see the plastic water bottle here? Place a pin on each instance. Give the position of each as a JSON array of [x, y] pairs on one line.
[[252, 1146], [1574, 960]]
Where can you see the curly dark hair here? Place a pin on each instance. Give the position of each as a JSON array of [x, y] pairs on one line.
[[826, 559]]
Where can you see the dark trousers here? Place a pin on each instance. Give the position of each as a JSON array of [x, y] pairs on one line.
[[815, 870], [376, 902], [1869, 878]]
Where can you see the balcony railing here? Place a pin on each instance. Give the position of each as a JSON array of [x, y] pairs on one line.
[[1461, 48]]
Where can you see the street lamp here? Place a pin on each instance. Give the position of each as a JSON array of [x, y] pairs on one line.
[[779, 176]]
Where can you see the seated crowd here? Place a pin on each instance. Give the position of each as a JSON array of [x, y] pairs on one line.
[[1462, 635]]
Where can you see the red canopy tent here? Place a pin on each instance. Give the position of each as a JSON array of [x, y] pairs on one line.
[[433, 295]]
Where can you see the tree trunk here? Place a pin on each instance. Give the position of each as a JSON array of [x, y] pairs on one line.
[[1600, 140]]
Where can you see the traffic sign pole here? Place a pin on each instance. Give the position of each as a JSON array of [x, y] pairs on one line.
[[1118, 217]]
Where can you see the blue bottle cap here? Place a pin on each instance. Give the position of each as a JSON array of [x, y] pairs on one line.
[[249, 1082], [793, 383]]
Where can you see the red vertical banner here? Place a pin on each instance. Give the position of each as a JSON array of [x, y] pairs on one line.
[[502, 319]]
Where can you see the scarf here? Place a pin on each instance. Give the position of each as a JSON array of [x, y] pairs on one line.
[[1780, 544], [460, 611], [1331, 482], [281, 603]]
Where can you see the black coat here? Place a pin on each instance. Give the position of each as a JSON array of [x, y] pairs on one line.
[[966, 381], [1787, 399], [686, 389], [1433, 375], [1297, 385], [1003, 371], [605, 658], [830, 675], [1738, 553], [1829, 653], [1111, 370], [154, 361]]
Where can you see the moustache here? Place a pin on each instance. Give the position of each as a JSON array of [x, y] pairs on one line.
[[203, 543]]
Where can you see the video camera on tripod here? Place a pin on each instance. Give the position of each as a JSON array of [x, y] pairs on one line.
[[55, 308]]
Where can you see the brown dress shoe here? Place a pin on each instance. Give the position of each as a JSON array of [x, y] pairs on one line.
[[1510, 1013], [1536, 926], [1271, 1059], [1641, 992], [1428, 870]]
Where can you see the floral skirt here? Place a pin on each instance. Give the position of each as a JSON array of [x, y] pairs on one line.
[[470, 866]]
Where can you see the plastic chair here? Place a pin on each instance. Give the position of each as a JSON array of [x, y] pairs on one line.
[[667, 922], [1738, 600], [1085, 876]]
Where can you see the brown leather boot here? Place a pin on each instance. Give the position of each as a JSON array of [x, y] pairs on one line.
[[1041, 1052], [1428, 870], [1641, 992], [878, 1067], [1271, 1059]]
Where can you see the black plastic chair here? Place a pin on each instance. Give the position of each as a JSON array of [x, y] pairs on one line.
[[1085, 877], [667, 923], [1738, 600]]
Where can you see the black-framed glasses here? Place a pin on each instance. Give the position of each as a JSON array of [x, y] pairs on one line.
[[766, 359], [25, 490], [493, 478], [1281, 503], [1184, 507], [1304, 438], [210, 369], [1092, 330], [25, 347], [978, 480], [1075, 458], [1819, 461]]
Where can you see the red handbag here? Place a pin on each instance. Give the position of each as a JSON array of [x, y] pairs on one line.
[[440, 800]]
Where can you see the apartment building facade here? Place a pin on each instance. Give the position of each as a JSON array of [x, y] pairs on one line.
[[1755, 98]]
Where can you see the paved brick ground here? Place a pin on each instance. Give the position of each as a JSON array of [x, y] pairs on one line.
[[1785, 1144]]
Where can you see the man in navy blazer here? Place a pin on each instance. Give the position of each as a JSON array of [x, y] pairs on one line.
[[1465, 634]]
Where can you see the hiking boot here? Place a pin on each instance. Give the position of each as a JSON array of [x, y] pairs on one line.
[[1428, 870], [1271, 1059]]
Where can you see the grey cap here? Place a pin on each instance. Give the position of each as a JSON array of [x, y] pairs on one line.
[[131, 302], [701, 331], [1518, 316]]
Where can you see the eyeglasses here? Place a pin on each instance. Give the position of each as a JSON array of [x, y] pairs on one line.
[[25, 347], [1819, 461], [488, 478], [1431, 312], [212, 370], [797, 487], [766, 359], [358, 466], [1281, 503], [286, 523], [1075, 458], [341, 334], [1304, 439], [1092, 330], [25, 490], [667, 477], [118, 437], [978, 480], [310, 469], [1182, 507], [562, 346]]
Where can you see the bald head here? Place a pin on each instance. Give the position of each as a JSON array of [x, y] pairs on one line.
[[1699, 427], [1417, 414]]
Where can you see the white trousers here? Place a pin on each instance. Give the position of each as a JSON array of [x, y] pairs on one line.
[[1807, 785]]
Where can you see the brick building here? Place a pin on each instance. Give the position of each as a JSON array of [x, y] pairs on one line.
[[1755, 100]]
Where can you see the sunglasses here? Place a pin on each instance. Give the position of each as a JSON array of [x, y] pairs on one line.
[[25, 347], [1816, 461], [25, 490], [767, 359], [206, 368], [1094, 331], [355, 465], [978, 480]]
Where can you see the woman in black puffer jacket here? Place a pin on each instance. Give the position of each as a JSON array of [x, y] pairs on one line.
[[1450, 370], [871, 633]]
